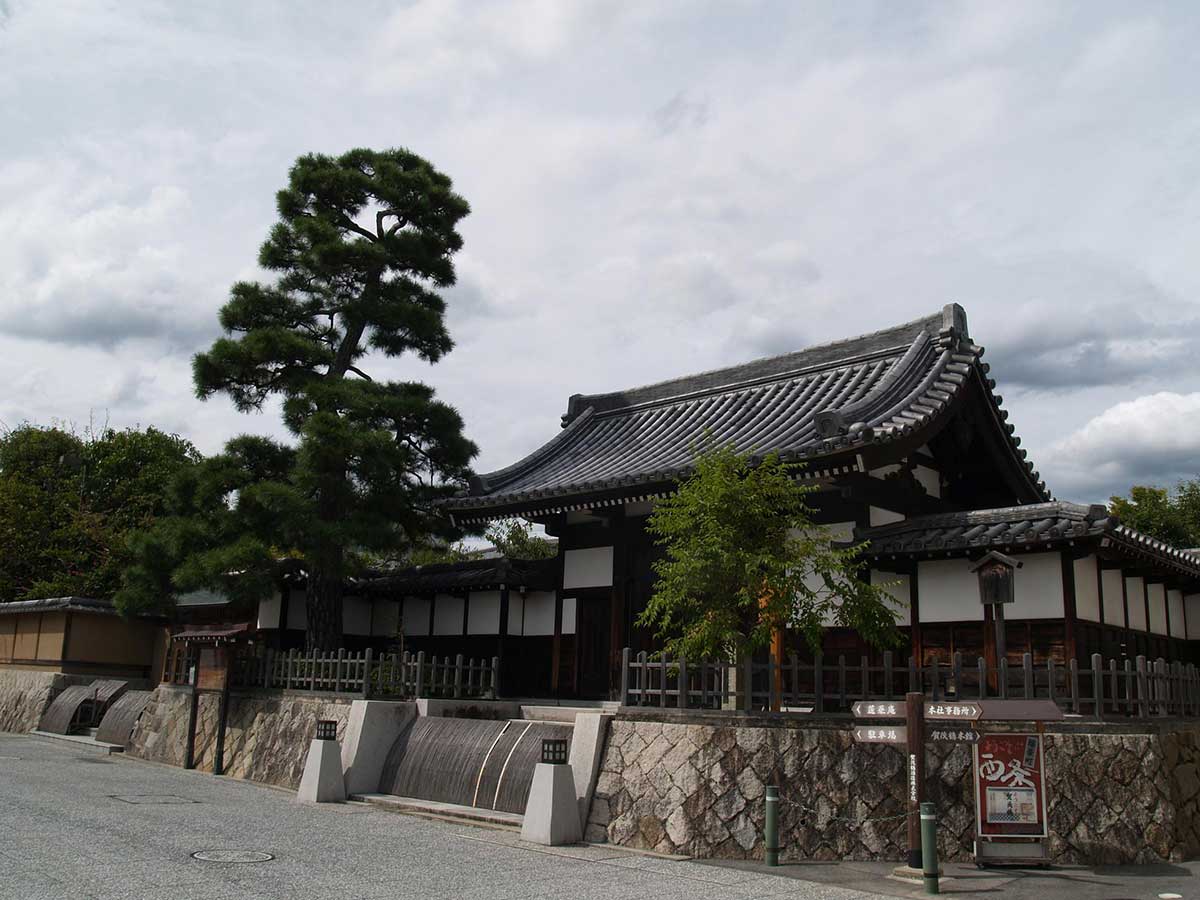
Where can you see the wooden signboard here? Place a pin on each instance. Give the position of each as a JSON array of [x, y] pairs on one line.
[[968, 710], [881, 734], [1010, 792], [213, 669], [886, 709]]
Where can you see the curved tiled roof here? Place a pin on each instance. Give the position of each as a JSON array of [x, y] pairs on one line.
[[1037, 525], [814, 403]]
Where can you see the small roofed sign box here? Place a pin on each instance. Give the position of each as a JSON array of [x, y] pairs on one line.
[[212, 671], [1010, 795]]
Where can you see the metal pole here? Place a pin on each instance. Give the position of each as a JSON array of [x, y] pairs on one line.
[[772, 827], [929, 860], [914, 709]]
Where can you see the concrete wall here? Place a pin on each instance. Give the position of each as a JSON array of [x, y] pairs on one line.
[[24, 696], [695, 786]]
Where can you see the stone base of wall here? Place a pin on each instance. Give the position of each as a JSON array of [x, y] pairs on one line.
[[25, 694], [695, 786], [266, 735]]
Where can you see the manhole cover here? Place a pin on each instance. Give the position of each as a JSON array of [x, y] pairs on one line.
[[151, 798], [232, 856]]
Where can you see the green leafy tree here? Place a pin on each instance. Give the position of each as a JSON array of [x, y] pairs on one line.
[[743, 558], [1170, 516], [515, 539], [68, 503], [362, 248]]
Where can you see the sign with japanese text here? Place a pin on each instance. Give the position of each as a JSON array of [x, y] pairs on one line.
[[954, 735], [881, 734], [1010, 793], [886, 709], [941, 710]]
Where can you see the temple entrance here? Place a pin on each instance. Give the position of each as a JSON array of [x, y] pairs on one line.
[[593, 637]]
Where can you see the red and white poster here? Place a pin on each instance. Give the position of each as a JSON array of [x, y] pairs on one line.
[[1010, 794]]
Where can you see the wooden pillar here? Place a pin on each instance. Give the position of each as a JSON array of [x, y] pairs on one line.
[[914, 613], [1068, 587], [623, 530]]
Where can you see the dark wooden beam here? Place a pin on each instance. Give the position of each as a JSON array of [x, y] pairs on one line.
[[1068, 586]]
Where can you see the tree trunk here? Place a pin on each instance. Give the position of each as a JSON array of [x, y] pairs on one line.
[[323, 605]]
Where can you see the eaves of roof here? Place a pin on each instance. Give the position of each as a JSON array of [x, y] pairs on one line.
[[822, 406]]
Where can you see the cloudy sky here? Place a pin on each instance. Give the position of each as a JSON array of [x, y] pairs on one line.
[[657, 188]]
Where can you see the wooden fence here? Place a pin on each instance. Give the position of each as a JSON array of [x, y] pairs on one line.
[[395, 675], [1134, 689]]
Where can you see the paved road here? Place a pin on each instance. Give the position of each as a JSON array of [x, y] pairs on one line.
[[74, 824]]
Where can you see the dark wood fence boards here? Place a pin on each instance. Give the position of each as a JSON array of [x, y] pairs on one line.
[[395, 675], [1138, 688]]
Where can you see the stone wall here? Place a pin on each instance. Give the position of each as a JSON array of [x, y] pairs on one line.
[[25, 694], [266, 734], [695, 786]]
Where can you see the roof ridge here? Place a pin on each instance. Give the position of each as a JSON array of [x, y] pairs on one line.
[[765, 367]]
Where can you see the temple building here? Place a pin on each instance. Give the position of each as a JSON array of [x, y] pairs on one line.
[[909, 448]]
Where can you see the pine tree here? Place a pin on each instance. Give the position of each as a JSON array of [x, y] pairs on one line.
[[362, 248]]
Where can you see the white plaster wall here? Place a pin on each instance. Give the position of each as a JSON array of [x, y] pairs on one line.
[[483, 615], [884, 516], [1087, 589], [1038, 586], [568, 616], [1192, 604], [592, 567], [448, 614], [416, 616], [269, 609], [1114, 597], [387, 618], [930, 479], [539, 613], [297, 616], [948, 591], [516, 614], [1175, 604], [1137, 605], [356, 616], [1157, 595], [897, 585]]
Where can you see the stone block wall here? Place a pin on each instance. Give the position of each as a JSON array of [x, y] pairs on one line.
[[25, 694], [267, 735], [695, 786]]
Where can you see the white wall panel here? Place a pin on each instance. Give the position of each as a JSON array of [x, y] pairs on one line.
[[386, 621], [516, 614], [1114, 597], [1192, 604], [592, 567], [539, 613], [1038, 586], [568, 615], [356, 616], [1175, 605], [1137, 603], [483, 614], [1157, 595], [948, 591], [1087, 589], [897, 585], [269, 609], [416, 616], [297, 616], [448, 614], [884, 516]]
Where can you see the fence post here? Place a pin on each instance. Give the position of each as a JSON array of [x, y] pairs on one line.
[[1164, 686], [338, 671], [291, 666], [643, 679], [662, 681], [1027, 669], [495, 678], [269, 674], [366, 681], [982, 664], [749, 695], [818, 683], [935, 675], [458, 664], [1098, 684], [958, 691], [420, 686], [841, 681], [1073, 667], [1004, 678], [887, 674], [625, 676], [1142, 686], [1051, 678], [683, 701]]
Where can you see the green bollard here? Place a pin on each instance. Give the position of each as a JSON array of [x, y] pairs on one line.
[[772, 827], [929, 860]]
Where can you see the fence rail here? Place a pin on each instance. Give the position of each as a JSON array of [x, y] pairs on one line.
[[1138, 688], [399, 675]]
